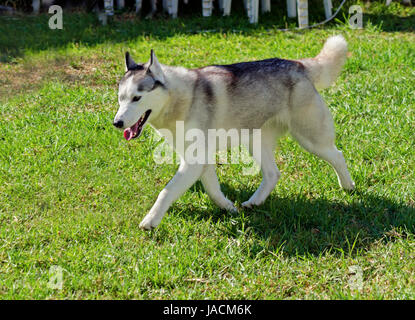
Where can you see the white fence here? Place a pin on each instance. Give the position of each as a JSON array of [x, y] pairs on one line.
[[294, 8]]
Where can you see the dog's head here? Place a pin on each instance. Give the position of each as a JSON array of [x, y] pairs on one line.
[[142, 94]]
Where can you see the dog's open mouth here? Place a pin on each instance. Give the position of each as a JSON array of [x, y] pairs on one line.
[[135, 130]]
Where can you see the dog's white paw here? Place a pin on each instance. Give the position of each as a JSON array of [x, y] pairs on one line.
[[149, 222], [249, 204], [230, 207]]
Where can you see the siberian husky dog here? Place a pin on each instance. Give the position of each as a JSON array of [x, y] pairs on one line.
[[273, 95]]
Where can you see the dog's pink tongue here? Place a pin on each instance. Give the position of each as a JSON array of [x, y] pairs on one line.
[[128, 134], [131, 132]]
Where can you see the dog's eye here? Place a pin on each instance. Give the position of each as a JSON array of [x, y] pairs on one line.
[[136, 98]]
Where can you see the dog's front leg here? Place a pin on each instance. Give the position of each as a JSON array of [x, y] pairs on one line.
[[184, 178]]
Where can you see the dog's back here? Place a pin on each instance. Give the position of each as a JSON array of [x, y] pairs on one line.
[[247, 94]]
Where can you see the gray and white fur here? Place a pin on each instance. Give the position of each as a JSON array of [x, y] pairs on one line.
[[274, 95]]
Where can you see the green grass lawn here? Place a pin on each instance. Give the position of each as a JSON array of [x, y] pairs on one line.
[[73, 191]]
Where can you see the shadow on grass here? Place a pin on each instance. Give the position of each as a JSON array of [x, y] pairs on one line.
[[391, 23], [303, 226], [33, 34]]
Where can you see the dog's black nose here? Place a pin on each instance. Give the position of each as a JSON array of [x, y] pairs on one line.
[[119, 124]]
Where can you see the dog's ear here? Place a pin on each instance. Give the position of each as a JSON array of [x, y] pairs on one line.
[[129, 62], [155, 68]]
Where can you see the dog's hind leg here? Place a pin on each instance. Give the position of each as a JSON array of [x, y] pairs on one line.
[[211, 184], [312, 126], [269, 169], [184, 178]]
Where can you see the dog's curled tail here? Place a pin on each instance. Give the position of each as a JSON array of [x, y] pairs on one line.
[[326, 66]]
